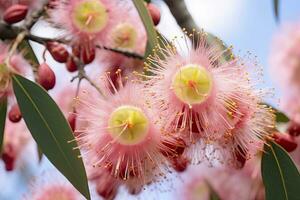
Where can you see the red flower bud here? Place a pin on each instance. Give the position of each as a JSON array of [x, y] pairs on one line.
[[15, 13], [71, 65], [58, 52], [285, 141], [88, 55], [85, 54], [241, 157], [154, 12], [180, 164], [72, 121], [294, 129], [9, 158], [46, 76], [107, 190], [14, 114]]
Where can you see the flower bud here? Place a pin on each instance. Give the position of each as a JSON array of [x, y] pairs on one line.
[[285, 141], [46, 76], [58, 52], [71, 65], [15, 13], [72, 121], [14, 114], [180, 164], [85, 54], [8, 157], [108, 190], [240, 156], [154, 12], [294, 129]]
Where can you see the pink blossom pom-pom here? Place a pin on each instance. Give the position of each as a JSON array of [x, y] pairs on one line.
[[284, 57], [16, 63], [122, 134], [52, 186], [209, 103]]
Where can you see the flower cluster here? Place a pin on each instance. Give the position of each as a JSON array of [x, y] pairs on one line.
[[187, 108], [142, 118]]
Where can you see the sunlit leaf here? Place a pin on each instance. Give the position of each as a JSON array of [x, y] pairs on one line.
[[280, 175], [149, 26], [51, 131], [3, 109]]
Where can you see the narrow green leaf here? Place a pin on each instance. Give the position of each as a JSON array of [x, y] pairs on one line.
[[3, 109], [276, 9], [281, 117], [280, 175], [51, 131], [28, 52], [149, 26]]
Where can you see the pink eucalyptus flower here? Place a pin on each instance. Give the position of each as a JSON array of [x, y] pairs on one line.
[[208, 103], [128, 35], [290, 105], [201, 181], [15, 64], [122, 135], [285, 57], [52, 186], [86, 21]]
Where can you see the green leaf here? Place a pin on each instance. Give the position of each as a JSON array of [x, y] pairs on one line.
[[3, 109], [276, 9], [28, 52], [51, 131], [280, 175], [281, 117], [149, 26]]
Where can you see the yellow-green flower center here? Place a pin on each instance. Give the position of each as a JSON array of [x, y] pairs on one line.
[[128, 125], [192, 84], [90, 16], [124, 35]]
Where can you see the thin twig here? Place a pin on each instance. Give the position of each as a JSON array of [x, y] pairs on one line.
[[82, 75], [125, 53]]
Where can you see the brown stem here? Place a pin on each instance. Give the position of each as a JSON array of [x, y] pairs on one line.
[[184, 19]]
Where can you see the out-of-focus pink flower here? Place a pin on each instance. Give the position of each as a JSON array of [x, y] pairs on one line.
[[228, 184], [128, 35], [52, 186], [289, 103], [16, 64], [205, 101], [85, 21], [284, 62], [285, 57], [16, 137], [122, 135]]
